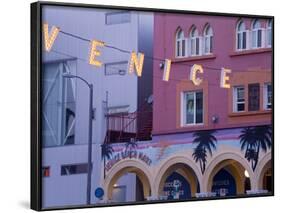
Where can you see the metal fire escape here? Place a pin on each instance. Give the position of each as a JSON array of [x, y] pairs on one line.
[[135, 126]]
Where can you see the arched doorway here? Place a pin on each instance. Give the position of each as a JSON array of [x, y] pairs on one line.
[[266, 180], [178, 182], [128, 181], [229, 178], [224, 183], [128, 188], [176, 187]]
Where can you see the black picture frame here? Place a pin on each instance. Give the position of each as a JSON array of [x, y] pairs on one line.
[[36, 106]]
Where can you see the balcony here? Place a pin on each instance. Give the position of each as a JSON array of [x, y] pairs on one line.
[[124, 127]]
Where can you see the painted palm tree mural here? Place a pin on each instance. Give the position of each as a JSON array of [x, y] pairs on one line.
[[248, 143], [200, 155], [206, 143], [130, 146], [254, 139], [106, 153]]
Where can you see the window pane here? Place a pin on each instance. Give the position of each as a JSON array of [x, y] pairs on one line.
[[207, 44], [52, 82], [239, 99], [211, 44], [197, 46], [116, 68], [238, 41], [199, 107], [269, 96], [58, 121], [256, 24], [74, 169], [240, 94], [189, 108], [183, 47], [192, 47], [253, 39], [178, 48], [269, 37], [244, 40], [240, 107], [259, 39], [117, 18], [254, 97], [241, 26], [180, 34]]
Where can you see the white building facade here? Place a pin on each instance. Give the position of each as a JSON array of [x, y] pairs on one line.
[[65, 101]]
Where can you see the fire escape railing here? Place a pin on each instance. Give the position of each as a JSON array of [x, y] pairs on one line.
[[123, 122], [125, 127]]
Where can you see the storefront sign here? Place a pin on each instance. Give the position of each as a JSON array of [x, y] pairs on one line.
[[127, 155], [176, 187], [224, 184], [99, 192]]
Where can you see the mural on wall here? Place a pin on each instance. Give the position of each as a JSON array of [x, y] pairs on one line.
[[206, 143], [253, 140]]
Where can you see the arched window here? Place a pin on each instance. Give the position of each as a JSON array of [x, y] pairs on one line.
[[194, 42], [256, 34], [241, 36], [269, 33], [180, 44], [208, 40]]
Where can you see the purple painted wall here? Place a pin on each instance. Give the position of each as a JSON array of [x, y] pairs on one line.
[[165, 117]]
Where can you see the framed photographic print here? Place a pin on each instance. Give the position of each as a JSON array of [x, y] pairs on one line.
[[137, 105]]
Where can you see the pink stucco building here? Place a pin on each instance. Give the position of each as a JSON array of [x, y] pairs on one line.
[[242, 45], [207, 141], [224, 127]]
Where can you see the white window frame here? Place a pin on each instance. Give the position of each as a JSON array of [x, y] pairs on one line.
[[183, 109], [208, 39], [241, 33], [116, 13], [255, 33], [180, 39], [269, 34], [59, 139], [265, 96], [67, 172], [235, 102], [193, 42], [113, 68]]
